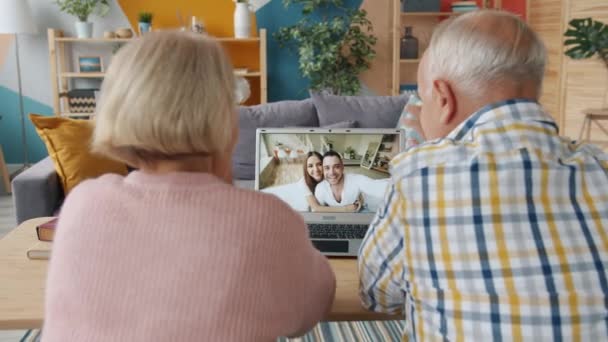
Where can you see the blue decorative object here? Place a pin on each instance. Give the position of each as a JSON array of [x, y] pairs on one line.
[[144, 28]]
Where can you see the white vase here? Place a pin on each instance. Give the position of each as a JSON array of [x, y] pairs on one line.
[[84, 29], [242, 20]]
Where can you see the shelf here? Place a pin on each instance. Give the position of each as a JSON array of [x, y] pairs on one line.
[[430, 14], [375, 168], [248, 73], [351, 162], [63, 73], [238, 40], [409, 61], [82, 74], [102, 74], [77, 114], [125, 40], [94, 40]]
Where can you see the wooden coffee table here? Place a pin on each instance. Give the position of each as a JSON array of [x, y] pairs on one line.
[[22, 284]]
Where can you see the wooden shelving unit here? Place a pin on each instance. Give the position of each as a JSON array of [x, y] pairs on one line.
[[82, 74], [92, 40], [61, 75], [404, 71]]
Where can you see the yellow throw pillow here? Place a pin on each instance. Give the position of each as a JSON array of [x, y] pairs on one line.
[[68, 143]]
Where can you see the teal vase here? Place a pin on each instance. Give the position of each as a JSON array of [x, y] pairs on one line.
[[144, 28]]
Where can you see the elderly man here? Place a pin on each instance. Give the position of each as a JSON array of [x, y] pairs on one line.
[[495, 228]]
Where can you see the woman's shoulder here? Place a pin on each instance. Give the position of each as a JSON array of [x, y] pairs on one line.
[[103, 183], [91, 194]]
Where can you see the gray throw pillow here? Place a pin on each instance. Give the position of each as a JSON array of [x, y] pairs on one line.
[[343, 124], [368, 111], [271, 115]]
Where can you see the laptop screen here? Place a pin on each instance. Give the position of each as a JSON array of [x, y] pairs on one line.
[[335, 171]]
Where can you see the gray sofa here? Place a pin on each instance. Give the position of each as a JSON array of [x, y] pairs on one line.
[[37, 191]]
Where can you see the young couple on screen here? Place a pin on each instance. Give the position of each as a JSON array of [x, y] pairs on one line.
[[327, 188]]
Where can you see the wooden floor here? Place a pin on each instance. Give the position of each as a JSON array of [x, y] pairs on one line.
[[7, 223]]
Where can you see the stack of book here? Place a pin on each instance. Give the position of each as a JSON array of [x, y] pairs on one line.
[[464, 6], [42, 249]]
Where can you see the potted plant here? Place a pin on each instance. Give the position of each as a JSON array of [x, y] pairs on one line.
[[242, 19], [334, 44], [82, 9], [145, 22], [349, 153], [586, 38]]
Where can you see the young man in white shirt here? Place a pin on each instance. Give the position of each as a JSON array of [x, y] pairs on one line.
[[339, 188]]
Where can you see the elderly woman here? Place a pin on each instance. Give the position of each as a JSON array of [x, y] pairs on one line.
[[174, 251]]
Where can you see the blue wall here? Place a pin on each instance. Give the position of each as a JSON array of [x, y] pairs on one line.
[[10, 127], [284, 80]]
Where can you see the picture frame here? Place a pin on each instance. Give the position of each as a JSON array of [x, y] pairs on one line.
[[90, 64]]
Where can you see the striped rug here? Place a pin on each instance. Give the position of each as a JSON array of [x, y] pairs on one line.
[[371, 331]]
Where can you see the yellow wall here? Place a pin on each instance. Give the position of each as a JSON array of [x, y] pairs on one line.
[[216, 14]]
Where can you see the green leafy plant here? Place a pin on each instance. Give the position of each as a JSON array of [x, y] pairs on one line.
[[145, 17], [82, 9], [334, 44], [586, 37]]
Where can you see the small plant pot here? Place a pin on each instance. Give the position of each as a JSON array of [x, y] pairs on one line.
[[144, 28], [84, 29]]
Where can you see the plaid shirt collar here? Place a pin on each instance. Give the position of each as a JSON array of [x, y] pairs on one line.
[[509, 110]]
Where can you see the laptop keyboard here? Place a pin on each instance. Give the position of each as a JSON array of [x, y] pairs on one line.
[[337, 231]]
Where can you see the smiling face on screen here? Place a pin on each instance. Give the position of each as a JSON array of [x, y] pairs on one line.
[[333, 169], [314, 168]]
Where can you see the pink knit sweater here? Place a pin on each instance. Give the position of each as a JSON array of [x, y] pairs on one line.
[[181, 257]]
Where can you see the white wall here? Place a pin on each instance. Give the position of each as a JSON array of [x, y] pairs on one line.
[[33, 49]]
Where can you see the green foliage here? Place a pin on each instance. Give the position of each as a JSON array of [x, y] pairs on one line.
[[82, 9], [145, 17], [586, 37], [334, 44]]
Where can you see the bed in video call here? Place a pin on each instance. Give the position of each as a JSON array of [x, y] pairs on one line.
[[296, 165]]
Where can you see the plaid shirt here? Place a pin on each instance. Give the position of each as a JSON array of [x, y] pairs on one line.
[[496, 232]]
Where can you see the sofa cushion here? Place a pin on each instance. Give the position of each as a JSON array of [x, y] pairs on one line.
[[272, 115], [368, 111], [343, 124], [67, 142]]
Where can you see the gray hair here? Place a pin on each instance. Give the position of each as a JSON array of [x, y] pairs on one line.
[[485, 47]]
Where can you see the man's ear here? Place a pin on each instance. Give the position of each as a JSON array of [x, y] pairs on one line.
[[446, 101]]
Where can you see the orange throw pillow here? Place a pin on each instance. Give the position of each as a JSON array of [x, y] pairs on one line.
[[68, 144]]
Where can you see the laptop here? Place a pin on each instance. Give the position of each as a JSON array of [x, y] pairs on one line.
[[337, 227]]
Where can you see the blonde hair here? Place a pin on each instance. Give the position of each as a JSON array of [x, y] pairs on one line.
[[480, 48], [166, 95]]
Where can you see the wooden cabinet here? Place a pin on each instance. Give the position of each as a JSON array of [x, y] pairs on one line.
[[62, 75]]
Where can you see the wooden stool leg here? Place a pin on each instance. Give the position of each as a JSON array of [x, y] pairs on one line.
[[5, 175], [582, 132]]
